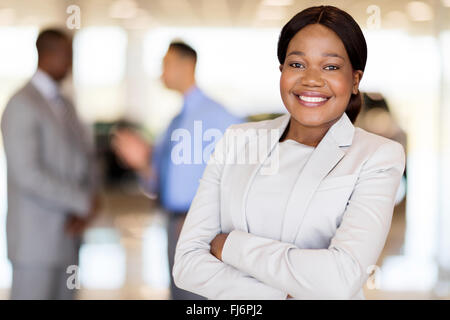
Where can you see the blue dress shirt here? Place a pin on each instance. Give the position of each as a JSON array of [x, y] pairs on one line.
[[180, 156]]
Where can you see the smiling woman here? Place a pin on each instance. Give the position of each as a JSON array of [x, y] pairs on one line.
[[314, 228], [322, 60]]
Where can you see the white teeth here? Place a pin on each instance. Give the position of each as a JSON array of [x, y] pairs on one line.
[[312, 99]]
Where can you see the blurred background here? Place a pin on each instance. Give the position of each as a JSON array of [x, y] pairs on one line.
[[118, 49]]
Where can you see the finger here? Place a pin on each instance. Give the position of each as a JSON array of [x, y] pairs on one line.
[[126, 136], [120, 150], [117, 144]]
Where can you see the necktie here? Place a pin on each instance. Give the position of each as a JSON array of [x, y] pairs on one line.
[[69, 120]]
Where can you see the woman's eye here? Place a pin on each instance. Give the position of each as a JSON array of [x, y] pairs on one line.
[[331, 68], [296, 65]]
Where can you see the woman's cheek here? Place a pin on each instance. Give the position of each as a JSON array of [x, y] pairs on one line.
[[285, 87], [342, 84], [288, 81]]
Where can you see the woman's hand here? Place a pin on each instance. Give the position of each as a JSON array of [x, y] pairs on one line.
[[217, 245]]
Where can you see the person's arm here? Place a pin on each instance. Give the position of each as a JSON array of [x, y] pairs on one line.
[[22, 148], [94, 176], [148, 178], [76, 225], [340, 271], [195, 268]]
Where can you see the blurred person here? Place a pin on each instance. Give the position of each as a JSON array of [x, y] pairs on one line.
[[51, 177], [176, 183], [376, 117], [311, 228]]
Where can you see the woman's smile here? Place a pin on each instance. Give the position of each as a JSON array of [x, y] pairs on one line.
[[311, 99]]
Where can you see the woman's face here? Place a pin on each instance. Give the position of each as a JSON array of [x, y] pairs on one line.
[[317, 78]]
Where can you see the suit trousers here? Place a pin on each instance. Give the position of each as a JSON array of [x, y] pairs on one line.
[[175, 224], [31, 282]]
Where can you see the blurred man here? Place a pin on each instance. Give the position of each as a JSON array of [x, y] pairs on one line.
[[176, 182], [50, 177]]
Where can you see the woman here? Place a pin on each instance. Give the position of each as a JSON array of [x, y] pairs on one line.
[[314, 228]]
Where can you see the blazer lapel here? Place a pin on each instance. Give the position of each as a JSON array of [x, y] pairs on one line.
[[43, 104], [246, 172], [324, 158]]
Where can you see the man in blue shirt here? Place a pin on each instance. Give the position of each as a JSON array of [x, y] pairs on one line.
[[173, 167]]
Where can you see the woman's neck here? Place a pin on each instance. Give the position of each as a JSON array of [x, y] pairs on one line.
[[310, 136]]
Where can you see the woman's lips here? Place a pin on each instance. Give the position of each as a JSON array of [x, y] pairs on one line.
[[312, 99]]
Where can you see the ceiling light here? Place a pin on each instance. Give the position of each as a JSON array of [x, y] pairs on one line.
[[141, 21], [419, 11], [396, 20], [274, 13], [123, 9], [279, 3], [7, 16]]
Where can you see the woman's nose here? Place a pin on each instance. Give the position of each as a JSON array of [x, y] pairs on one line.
[[312, 78]]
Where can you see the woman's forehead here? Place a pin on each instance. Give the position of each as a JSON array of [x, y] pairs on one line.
[[316, 39]]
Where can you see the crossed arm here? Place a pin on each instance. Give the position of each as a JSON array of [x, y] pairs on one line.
[[253, 267]]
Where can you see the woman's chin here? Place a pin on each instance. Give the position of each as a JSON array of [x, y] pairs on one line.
[[309, 120]]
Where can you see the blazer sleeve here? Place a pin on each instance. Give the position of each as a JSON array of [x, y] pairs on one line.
[[338, 272], [195, 268], [22, 148], [94, 177], [93, 172]]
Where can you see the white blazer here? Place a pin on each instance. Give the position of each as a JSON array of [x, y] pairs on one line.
[[335, 224]]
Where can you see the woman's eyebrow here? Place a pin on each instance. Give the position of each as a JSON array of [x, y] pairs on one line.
[[332, 54], [326, 54]]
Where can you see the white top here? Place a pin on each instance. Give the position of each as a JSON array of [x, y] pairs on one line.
[[45, 85], [268, 194]]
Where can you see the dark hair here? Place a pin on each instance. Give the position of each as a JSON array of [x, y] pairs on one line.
[[347, 30], [374, 100], [184, 50], [47, 38]]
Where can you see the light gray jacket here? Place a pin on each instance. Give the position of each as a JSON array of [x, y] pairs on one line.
[[50, 175], [335, 222]]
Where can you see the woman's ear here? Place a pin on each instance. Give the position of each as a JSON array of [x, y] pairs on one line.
[[281, 68], [357, 76]]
